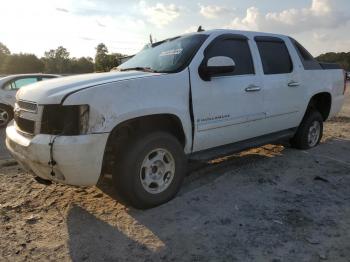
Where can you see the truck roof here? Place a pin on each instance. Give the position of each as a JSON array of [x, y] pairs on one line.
[[232, 31]]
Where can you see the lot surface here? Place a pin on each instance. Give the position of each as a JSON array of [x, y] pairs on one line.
[[3, 151], [272, 203]]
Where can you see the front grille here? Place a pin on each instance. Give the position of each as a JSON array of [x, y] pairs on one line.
[[25, 125], [27, 106]]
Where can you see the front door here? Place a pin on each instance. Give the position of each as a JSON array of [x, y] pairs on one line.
[[229, 107]]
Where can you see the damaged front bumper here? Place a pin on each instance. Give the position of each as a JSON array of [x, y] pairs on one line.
[[78, 159]]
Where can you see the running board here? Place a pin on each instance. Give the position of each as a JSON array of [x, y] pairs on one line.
[[225, 150]]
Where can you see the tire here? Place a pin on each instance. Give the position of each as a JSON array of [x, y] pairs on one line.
[[312, 125], [6, 115], [149, 169]]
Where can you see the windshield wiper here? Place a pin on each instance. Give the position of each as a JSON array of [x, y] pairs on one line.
[[139, 68]]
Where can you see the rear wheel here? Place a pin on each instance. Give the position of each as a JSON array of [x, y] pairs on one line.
[[310, 131], [150, 169], [6, 115]]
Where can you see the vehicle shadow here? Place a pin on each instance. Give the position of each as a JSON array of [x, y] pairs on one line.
[[92, 239]]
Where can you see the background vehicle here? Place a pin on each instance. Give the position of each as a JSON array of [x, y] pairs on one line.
[[9, 85], [196, 96]]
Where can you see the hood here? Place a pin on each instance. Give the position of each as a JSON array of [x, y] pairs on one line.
[[54, 90]]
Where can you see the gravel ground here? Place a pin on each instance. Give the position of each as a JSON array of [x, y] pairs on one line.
[[3, 151], [272, 203]]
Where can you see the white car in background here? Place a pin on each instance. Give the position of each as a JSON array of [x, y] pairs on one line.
[[9, 85]]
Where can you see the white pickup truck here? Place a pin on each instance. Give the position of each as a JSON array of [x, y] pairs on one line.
[[195, 96]]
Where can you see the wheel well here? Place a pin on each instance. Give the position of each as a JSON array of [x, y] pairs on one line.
[[322, 103], [121, 133], [10, 108], [7, 106]]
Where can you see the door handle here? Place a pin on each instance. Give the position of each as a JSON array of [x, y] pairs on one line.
[[293, 84], [253, 88]]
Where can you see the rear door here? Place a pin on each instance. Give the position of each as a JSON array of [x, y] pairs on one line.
[[229, 107], [283, 87]]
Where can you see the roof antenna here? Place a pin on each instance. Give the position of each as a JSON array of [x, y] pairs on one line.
[[151, 39], [200, 29]]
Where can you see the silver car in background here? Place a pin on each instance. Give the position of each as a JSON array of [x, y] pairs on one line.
[[9, 85]]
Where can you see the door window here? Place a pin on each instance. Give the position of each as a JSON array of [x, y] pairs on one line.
[[238, 50], [308, 61], [274, 55]]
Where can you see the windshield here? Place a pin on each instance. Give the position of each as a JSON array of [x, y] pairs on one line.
[[166, 57]]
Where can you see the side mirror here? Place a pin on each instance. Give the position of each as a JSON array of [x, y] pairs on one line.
[[217, 65]]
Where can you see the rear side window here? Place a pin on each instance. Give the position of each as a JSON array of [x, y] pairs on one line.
[[235, 48], [308, 61], [274, 55]]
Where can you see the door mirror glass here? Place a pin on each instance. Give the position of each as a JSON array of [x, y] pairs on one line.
[[219, 65]]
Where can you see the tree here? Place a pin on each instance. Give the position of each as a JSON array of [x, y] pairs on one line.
[[119, 57], [104, 62], [101, 58], [22, 64], [4, 51], [57, 61], [343, 59], [82, 65]]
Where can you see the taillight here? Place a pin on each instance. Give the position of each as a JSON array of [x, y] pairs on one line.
[[345, 78]]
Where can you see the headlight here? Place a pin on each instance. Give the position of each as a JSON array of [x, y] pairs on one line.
[[65, 120]]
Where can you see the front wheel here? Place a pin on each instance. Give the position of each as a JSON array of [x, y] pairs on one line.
[[310, 131], [150, 169], [6, 115]]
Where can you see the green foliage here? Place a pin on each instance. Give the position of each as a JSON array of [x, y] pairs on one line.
[[104, 62], [4, 52], [340, 58], [57, 61], [82, 65], [21, 64], [101, 58]]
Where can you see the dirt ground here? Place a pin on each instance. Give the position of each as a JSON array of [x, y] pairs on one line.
[[272, 203]]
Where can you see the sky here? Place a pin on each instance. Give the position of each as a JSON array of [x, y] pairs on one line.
[[37, 26]]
